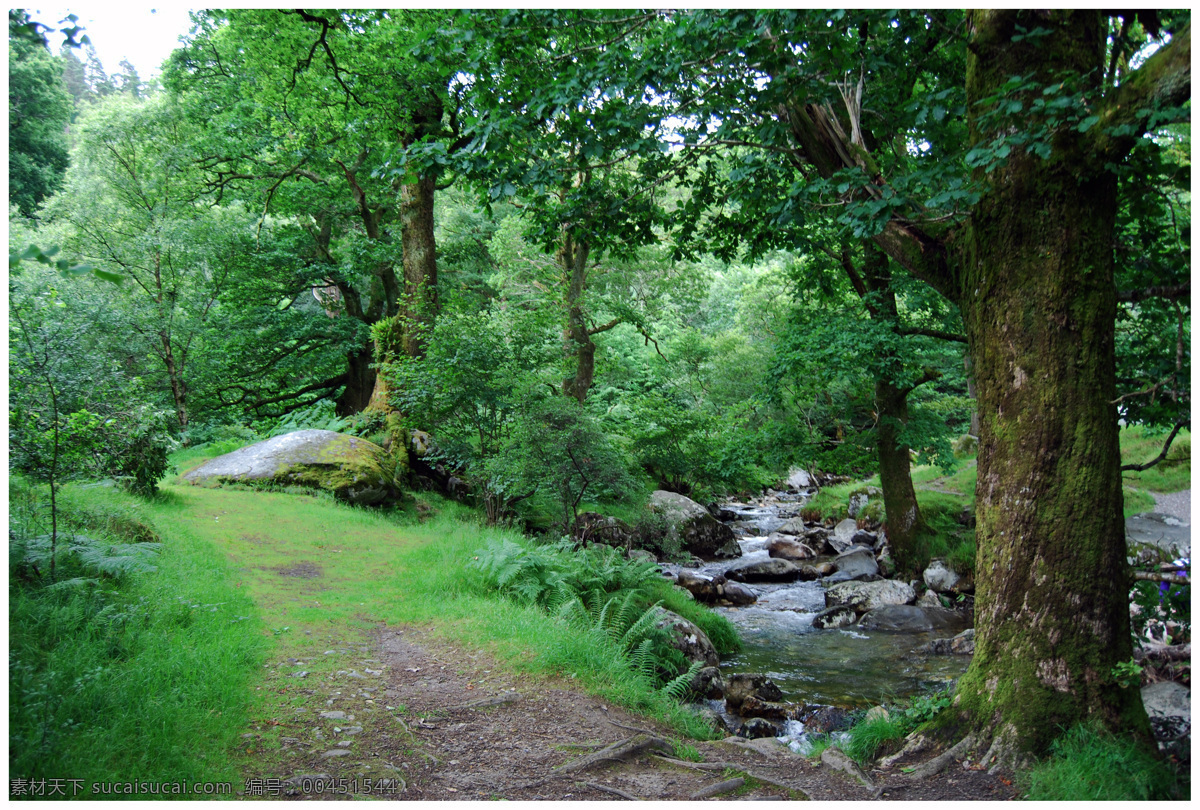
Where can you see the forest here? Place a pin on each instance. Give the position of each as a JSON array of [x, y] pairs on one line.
[[921, 273]]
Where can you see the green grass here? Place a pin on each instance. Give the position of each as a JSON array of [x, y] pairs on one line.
[[1174, 473], [871, 738], [394, 568], [143, 676], [1090, 764]]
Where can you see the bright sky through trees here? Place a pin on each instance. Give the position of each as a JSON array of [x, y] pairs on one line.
[[144, 35]]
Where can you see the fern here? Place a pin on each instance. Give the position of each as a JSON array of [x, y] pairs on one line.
[[678, 686], [105, 558]]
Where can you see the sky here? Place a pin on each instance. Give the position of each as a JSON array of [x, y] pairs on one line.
[[145, 35]]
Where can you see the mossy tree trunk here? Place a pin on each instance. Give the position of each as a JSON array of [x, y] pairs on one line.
[[1032, 272], [1039, 304], [577, 339]]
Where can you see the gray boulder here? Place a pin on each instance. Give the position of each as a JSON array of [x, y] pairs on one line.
[[910, 619], [691, 525], [799, 479], [865, 596], [847, 534], [839, 616], [688, 638], [788, 548], [770, 570], [353, 469], [941, 578], [1167, 699], [856, 563]]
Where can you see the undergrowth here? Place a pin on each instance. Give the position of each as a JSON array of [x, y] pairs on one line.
[[615, 601], [134, 661], [1088, 763]]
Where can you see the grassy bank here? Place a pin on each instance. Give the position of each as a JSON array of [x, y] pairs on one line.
[[155, 672], [129, 665], [310, 564]]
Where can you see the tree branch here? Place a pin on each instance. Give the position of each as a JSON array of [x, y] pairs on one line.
[[933, 333], [1166, 448], [1169, 292]]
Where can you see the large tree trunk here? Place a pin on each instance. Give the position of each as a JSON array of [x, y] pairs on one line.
[[360, 382], [577, 340], [420, 300], [1038, 300], [406, 331]]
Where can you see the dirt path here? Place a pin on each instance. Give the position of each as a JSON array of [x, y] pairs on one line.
[[408, 717]]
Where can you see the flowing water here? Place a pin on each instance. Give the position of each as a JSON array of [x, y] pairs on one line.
[[844, 667]]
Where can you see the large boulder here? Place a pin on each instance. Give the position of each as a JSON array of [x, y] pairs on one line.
[[786, 547], [715, 590], [353, 469], [688, 638], [690, 524], [865, 596], [772, 569], [910, 619]]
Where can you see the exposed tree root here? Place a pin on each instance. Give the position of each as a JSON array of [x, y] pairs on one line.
[[916, 744], [939, 763], [617, 752], [608, 789], [1003, 754]]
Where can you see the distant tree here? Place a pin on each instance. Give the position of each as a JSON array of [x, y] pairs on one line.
[[39, 108]]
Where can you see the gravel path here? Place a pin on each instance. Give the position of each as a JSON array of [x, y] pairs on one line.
[[1177, 504]]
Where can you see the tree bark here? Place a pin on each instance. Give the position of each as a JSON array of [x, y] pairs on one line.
[[360, 383], [1038, 299], [419, 303], [904, 521], [577, 340]]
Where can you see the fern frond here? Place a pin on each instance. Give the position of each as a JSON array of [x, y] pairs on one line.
[[678, 686]]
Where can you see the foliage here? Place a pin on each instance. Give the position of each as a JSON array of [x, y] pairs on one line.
[[869, 738], [597, 590], [1088, 763], [880, 730], [38, 111], [69, 418], [136, 660], [558, 448]]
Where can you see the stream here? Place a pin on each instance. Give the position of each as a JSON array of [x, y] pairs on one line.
[[845, 667]]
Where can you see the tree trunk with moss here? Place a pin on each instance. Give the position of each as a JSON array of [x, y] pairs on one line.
[[904, 521], [577, 340], [1039, 303]]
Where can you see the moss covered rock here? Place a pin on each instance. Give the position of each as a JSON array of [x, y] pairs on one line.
[[353, 469]]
